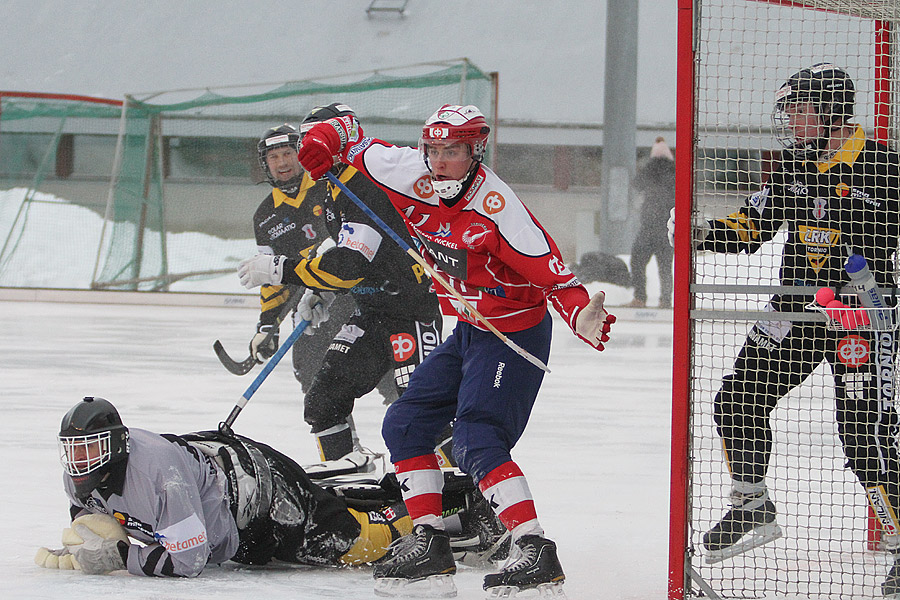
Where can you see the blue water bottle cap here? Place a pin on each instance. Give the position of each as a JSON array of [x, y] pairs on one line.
[[855, 263]]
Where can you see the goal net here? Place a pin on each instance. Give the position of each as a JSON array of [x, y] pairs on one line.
[[733, 57], [186, 170]]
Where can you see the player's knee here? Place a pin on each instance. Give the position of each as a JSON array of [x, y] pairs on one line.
[[479, 448], [323, 409]]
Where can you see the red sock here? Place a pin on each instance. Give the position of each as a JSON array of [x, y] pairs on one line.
[[507, 491], [422, 484]]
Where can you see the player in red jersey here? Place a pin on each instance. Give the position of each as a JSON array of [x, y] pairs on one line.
[[492, 250]]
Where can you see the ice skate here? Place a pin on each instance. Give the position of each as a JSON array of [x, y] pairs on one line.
[[357, 461], [420, 564], [484, 540], [750, 523], [532, 565]]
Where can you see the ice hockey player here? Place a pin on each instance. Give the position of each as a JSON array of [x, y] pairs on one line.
[[397, 319], [481, 237], [290, 222], [836, 192], [202, 498]]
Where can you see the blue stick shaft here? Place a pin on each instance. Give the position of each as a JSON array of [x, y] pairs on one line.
[[267, 368]]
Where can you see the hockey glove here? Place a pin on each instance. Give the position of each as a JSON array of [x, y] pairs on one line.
[[593, 322], [56, 559], [96, 554], [260, 349], [262, 269], [313, 307], [325, 141]]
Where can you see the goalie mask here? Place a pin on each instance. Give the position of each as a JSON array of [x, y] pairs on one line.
[[452, 124], [829, 91], [92, 440], [279, 137]]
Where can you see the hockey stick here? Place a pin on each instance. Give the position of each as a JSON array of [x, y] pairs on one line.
[[245, 366], [225, 426], [437, 276]]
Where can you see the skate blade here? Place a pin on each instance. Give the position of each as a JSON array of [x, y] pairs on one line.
[[436, 586], [752, 539], [553, 589]]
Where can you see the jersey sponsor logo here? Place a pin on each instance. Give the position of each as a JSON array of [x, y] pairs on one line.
[[818, 241], [338, 347], [309, 231], [184, 535], [282, 228], [494, 202], [842, 190], [853, 351], [759, 200], [475, 234], [473, 189], [129, 522], [404, 346], [317, 210], [443, 231], [361, 238], [422, 187], [558, 267], [267, 219], [798, 188], [357, 148], [410, 210], [450, 259], [818, 211]]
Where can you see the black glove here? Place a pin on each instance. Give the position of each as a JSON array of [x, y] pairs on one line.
[[261, 352]]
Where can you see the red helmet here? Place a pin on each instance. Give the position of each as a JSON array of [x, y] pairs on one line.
[[452, 123]]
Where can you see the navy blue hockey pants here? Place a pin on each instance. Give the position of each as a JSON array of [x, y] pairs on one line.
[[476, 379]]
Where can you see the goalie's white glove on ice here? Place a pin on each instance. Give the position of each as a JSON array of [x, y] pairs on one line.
[[97, 545], [262, 269], [56, 559], [592, 323], [313, 307]]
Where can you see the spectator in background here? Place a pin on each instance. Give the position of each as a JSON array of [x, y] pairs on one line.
[[656, 179]]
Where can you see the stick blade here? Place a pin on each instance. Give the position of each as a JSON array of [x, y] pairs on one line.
[[233, 366]]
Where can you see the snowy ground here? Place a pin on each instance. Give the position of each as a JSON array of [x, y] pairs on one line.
[[596, 451]]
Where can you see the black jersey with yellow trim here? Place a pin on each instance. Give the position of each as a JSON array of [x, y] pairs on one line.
[[291, 226], [366, 262], [849, 202]]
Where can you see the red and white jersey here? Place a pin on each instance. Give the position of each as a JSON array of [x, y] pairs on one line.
[[488, 245]]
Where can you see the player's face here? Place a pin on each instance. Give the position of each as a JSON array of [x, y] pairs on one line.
[[803, 121], [283, 163], [451, 161], [83, 456]]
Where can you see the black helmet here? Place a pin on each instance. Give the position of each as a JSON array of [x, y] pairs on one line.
[[277, 137], [323, 113], [831, 92], [92, 439]]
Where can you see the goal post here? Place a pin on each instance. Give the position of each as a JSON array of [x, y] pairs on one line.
[[732, 57]]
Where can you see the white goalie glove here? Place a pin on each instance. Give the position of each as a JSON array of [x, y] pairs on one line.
[[670, 227], [56, 559], [97, 543], [313, 307], [262, 269], [700, 229], [593, 322]]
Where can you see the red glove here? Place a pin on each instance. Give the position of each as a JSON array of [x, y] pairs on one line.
[[319, 146]]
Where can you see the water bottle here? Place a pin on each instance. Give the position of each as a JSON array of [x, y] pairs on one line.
[[863, 284]]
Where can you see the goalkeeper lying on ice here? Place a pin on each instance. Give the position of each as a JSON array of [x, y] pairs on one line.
[[168, 505]]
